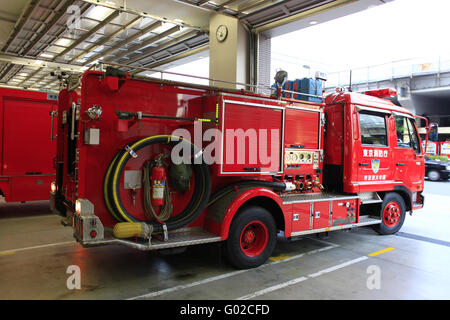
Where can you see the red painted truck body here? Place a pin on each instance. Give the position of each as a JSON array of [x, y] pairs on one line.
[[27, 148], [279, 164]]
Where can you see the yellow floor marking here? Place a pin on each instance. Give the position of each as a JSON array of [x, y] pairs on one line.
[[6, 253], [373, 254], [280, 257]]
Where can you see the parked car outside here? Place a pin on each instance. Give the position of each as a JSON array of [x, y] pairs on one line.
[[436, 169]]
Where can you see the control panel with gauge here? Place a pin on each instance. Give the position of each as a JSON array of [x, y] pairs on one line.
[[296, 159]]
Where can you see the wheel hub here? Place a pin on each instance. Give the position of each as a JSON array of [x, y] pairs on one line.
[[391, 214], [254, 238]]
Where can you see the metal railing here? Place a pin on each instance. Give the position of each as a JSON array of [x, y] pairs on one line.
[[389, 71], [213, 82]]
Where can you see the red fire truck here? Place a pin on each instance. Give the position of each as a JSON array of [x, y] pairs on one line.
[[27, 145], [154, 164]]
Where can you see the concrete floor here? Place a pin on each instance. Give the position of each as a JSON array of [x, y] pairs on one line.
[[36, 251]]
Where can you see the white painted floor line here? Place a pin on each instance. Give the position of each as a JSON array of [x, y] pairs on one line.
[[337, 267], [41, 246], [189, 285], [273, 288], [300, 279], [321, 241], [225, 275]]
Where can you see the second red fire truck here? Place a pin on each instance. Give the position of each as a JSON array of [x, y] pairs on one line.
[[154, 164], [27, 144]]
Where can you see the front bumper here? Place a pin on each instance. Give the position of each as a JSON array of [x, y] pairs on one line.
[[445, 174], [420, 201]]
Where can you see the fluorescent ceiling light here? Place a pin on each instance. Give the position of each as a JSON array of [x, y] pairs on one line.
[[46, 55], [99, 13], [63, 42]]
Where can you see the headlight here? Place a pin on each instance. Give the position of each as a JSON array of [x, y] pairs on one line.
[[84, 207], [78, 206], [53, 187]]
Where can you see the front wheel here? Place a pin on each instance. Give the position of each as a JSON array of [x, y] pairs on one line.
[[434, 175], [393, 212], [251, 239]]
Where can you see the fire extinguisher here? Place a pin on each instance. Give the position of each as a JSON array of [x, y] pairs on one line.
[[158, 180]]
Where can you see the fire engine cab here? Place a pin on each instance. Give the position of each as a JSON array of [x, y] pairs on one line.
[[155, 164]]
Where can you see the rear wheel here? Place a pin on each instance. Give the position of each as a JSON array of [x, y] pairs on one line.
[[252, 238], [393, 212]]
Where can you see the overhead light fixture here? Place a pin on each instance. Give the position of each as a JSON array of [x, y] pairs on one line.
[[99, 12], [64, 42], [46, 55], [313, 22]]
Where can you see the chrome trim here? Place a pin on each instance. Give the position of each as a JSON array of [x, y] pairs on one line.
[[254, 104], [314, 197], [396, 113], [302, 108], [358, 108], [225, 94]]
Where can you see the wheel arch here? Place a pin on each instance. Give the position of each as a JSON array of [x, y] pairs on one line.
[[404, 192], [271, 205], [261, 197]]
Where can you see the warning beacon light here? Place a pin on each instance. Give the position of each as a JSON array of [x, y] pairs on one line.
[[382, 93]]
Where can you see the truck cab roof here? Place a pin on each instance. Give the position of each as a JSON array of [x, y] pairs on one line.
[[365, 100]]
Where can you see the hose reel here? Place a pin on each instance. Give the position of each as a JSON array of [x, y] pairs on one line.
[[114, 172]]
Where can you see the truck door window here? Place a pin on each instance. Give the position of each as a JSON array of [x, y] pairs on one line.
[[407, 136], [403, 136], [373, 128], [414, 136]]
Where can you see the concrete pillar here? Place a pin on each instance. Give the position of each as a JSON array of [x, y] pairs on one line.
[[229, 59]]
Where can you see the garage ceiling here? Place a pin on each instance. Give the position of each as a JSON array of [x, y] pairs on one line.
[[40, 36]]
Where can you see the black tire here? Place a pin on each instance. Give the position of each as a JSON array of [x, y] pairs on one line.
[[247, 254], [393, 204], [433, 175]]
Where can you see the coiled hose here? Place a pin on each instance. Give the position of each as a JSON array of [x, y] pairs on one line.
[[196, 205]]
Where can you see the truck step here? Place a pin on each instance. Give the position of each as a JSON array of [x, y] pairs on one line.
[[312, 197], [369, 197], [186, 237]]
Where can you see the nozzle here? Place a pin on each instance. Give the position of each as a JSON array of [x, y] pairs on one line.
[[123, 230], [319, 185]]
